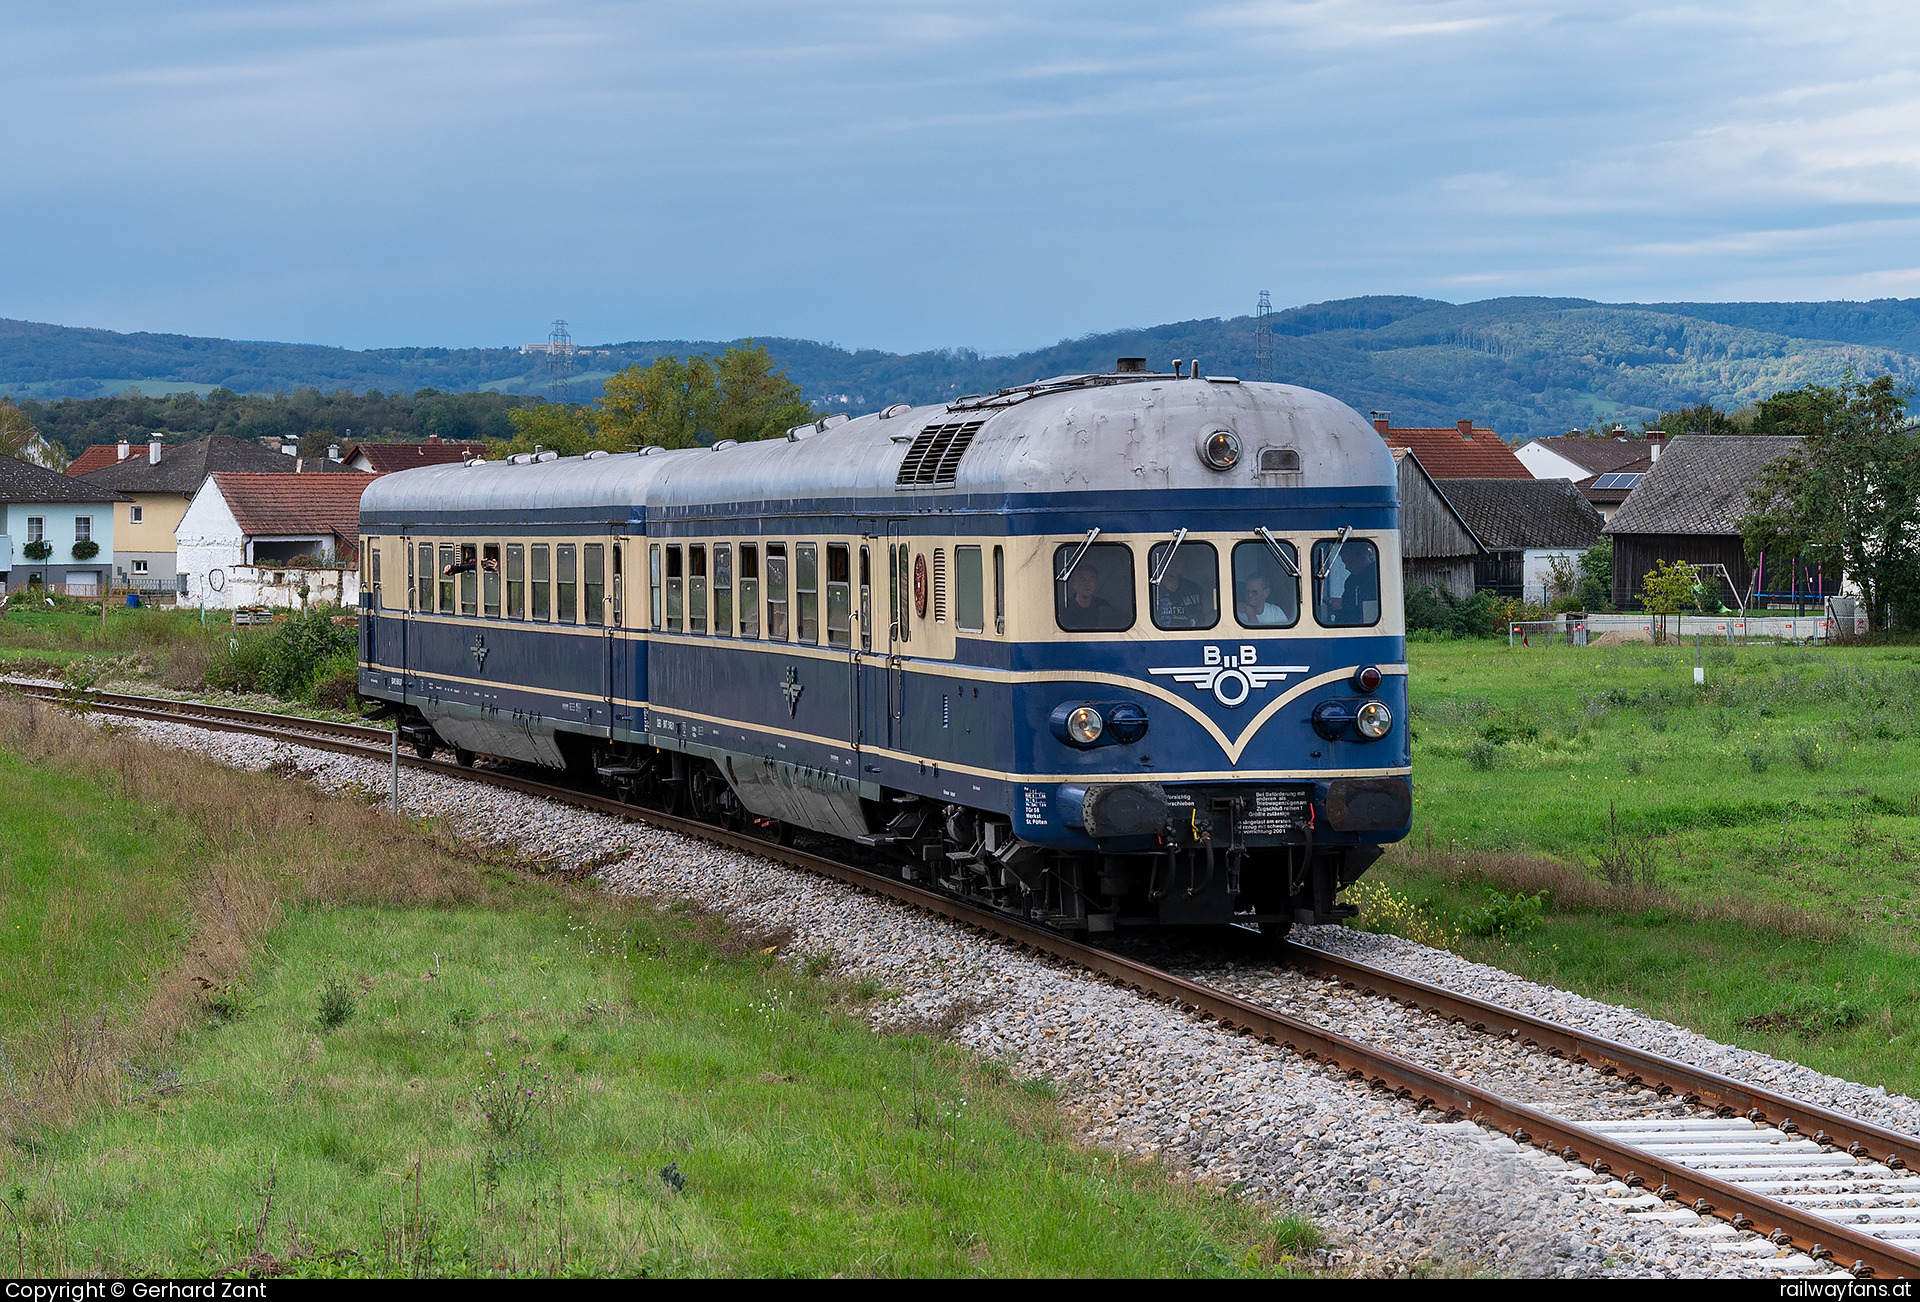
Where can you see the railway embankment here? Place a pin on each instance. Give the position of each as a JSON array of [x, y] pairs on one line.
[[256, 1026]]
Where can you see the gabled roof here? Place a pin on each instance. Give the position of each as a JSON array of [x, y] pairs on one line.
[[185, 466], [1615, 490], [1402, 456], [22, 481], [97, 457], [270, 506], [1699, 484], [1514, 514], [1596, 455], [1460, 451], [384, 457]]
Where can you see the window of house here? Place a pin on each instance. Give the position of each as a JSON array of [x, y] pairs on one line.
[[806, 592], [516, 581], [969, 590], [136, 514], [446, 578], [777, 591], [1346, 583], [36, 528], [749, 590], [566, 582], [839, 595], [139, 567], [542, 585], [697, 588], [1188, 593], [82, 528], [1097, 594], [676, 591], [593, 574], [722, 590], [490, 580]]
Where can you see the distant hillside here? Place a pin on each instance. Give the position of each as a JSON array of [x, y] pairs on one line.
[[1524, 366]]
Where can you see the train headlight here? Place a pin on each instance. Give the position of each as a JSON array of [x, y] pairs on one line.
[[1373, 721], [1221, 449], [1085, 725]]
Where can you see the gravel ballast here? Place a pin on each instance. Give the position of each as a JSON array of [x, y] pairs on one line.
[[1397, 1188]]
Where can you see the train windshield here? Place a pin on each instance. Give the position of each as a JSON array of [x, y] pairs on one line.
[[1097, 596], [1346, 583], [1265, 594]]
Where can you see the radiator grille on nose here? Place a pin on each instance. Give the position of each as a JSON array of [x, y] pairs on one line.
[[934, 457]]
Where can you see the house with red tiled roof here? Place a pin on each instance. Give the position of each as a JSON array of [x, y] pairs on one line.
[[97, 457], [257, 539], [385, 458], [1459, 451]]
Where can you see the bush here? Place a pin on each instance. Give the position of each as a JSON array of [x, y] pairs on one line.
[[37, 551], [85, 549], [1435, 610], [301, 659], [241, 666], [336, 685]]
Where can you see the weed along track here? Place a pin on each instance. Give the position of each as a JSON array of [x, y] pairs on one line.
[[1790, 1186]]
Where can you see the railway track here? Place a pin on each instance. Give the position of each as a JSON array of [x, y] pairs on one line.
[[1799, 1176]]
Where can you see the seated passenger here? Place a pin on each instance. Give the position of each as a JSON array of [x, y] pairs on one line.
[[1085, 608], [1255, 609], [1352, 590], [1185, 600]]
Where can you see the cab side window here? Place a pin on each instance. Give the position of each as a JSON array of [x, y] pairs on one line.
[[1265, 594], [1188, 593], [1097, 594]]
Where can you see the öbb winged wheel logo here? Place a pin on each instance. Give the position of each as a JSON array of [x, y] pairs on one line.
[[1231, 678]]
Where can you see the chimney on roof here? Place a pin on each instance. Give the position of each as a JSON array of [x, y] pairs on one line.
[[433, 438], [1620, 432], [333, 451], [126, 449], [153, 450], [1656, 439], [1466, 428], [1381, 419], [299, 464]]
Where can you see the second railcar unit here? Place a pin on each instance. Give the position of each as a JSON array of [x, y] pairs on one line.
[[1105, 650]]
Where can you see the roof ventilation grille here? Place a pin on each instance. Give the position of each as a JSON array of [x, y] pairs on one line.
[[934, 457]]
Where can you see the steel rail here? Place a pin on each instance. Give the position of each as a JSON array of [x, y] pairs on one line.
[[1862, 1254], [1710, 1089]]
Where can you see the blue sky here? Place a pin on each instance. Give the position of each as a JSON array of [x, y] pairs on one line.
[[908, 175]]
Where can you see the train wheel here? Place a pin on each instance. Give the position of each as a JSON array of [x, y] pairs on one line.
[[463, 757], [769, 829], [424, 749]]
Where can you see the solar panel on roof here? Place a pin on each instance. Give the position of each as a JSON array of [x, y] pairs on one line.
[[1619, 479]]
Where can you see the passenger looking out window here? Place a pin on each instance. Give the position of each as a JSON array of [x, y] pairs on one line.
[[1188, 594], [1346, 583], [1097, 596], [490, 580], [1266, 595]]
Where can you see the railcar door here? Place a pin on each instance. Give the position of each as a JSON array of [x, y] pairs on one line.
[[622, 658], [869, 657]]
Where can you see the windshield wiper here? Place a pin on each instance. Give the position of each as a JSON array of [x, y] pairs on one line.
[[1066, 571], [1166, 561], [1321, 574], [1279, 552]]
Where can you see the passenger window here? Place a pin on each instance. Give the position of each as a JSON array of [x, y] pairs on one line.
[[423, 580], [806, 592], [653, 584], [839, 596], [749, 590], [722, 590], [516, 581], [1188, 593], [696, 589], [566, 583], [1097, 595], [469, 571], [676, 592], [777, 591], [490, 579], [542, 605], [1265, 595], [999, 592], [1346, 583], [593, 573], [446, 578], [374, 552], [969, 594]]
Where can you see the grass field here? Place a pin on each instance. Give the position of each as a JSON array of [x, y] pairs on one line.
[[256, 1030], [1741, 857]]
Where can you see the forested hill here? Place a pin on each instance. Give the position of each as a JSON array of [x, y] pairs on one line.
[[1524, 366]]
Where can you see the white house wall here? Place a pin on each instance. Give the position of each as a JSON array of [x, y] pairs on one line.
[[213, 559], [1536, 568], [1544, 464]]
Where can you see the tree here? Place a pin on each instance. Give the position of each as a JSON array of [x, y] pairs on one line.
[[1701, 418], [687, 402], [19, 439], [1595, 589], [1669, 588], [1850, 498], [565, 428]]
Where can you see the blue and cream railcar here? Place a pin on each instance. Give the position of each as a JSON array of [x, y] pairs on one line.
[[1104, 650], [493, 608]]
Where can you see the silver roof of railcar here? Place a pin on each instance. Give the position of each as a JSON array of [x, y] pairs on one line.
[[1085, 434], [515, 487]]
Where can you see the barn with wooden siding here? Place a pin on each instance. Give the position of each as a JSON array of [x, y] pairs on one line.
[[1689, 507], [1437, 549]]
